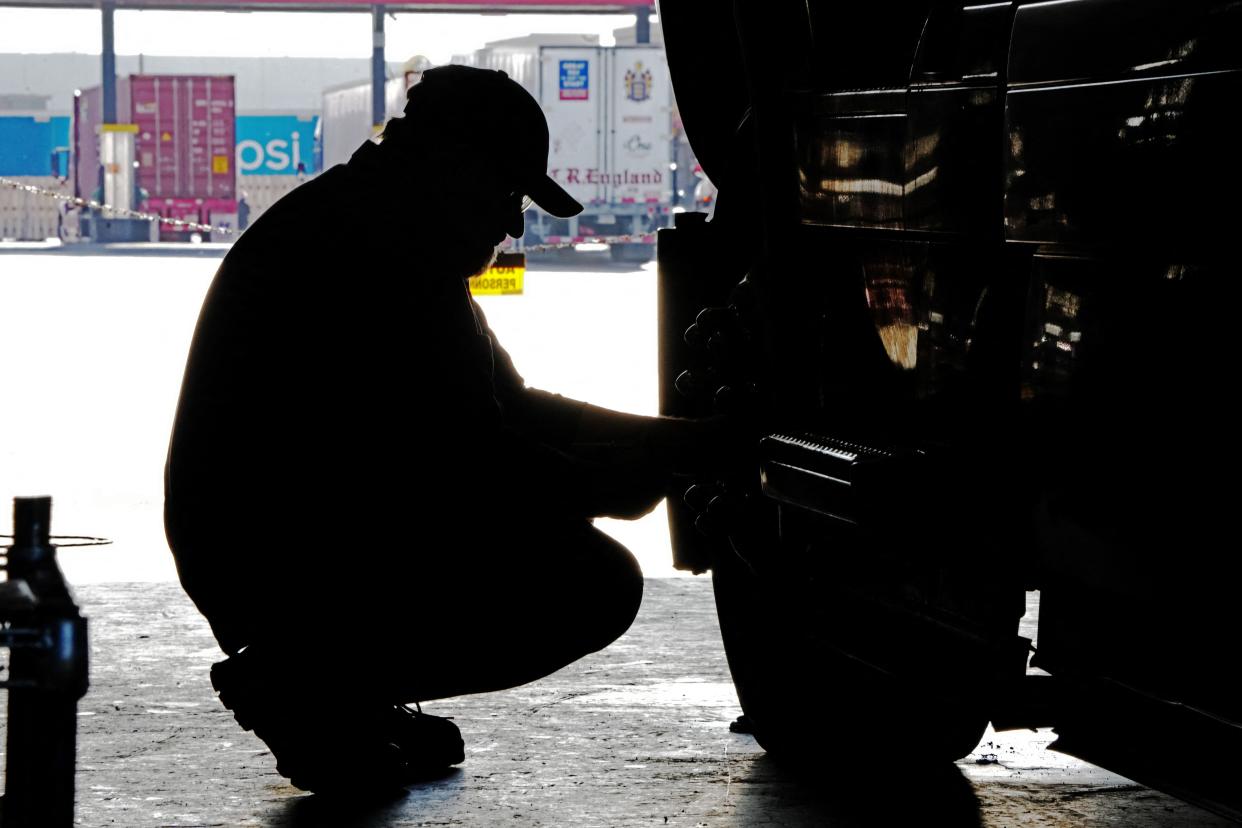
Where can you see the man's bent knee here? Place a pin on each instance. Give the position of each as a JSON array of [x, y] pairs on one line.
[[613, 600]]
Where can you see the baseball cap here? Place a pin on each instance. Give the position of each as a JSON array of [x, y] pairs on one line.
[[489, 112]]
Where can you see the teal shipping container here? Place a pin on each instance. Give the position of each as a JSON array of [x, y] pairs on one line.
[[34, 145]]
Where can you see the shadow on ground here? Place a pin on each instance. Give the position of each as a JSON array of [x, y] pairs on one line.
[[375, 811], [861, 794]]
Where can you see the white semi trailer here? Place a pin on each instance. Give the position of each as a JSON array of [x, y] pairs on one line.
[[346, 120], [610, 116]]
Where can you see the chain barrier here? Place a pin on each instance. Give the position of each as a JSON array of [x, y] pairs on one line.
[[180, 224], [542, 247], [631, 238]]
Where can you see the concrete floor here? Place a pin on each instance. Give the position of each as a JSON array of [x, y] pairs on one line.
[[635, 735]]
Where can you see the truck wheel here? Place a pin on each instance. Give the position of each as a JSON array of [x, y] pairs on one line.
[[811, 704]]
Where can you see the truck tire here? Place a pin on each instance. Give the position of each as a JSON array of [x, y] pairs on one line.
[[810, 704]]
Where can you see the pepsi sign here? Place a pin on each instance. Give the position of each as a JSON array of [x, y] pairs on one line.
[[275, 144]]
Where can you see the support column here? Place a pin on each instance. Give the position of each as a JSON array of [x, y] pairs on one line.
[[378, 71], [107, 106], [108, 68], [642, 24]]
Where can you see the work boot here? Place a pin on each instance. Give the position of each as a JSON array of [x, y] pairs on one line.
[[351, 745], [429, 743]]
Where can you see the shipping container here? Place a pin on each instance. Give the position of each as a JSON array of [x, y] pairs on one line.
[[183, 148], [275, 153], [186, 133], [34, 150], [276, 145], [84, 135], [34, 145]]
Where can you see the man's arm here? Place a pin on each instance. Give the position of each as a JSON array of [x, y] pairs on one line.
[[616, 464]]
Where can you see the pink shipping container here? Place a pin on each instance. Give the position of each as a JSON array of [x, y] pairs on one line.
[[186, 135]]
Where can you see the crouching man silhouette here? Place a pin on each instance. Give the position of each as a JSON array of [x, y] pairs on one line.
[[363, 497]]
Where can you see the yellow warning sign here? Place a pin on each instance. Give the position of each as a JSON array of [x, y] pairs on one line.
[[504, 278], [165, 136], [219, 163]]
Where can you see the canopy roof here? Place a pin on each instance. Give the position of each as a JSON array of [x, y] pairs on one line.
[[600, 6]]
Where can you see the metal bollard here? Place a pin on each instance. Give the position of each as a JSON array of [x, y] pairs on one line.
[[47, 675]]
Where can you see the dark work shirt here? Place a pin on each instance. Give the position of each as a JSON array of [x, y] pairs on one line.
[[337, 375]]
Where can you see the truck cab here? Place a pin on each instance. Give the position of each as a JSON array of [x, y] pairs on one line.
[[956, 288]]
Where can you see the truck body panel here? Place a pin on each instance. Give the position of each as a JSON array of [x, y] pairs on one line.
[[571, 95], [610, 124], [966, 294], [639, 126], [347, 117]]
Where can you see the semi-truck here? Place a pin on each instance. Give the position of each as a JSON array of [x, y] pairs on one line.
[[609, 112], [610, 118], [963, 299]]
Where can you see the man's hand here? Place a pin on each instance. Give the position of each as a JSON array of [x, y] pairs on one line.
[[625, 462]]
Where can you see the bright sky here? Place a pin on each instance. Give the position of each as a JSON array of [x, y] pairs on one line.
[[275, 34]]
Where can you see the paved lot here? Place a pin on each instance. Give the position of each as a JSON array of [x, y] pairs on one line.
[[636, 735]]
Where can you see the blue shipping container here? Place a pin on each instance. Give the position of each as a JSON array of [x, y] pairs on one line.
[[34, 145], [275, 144]]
